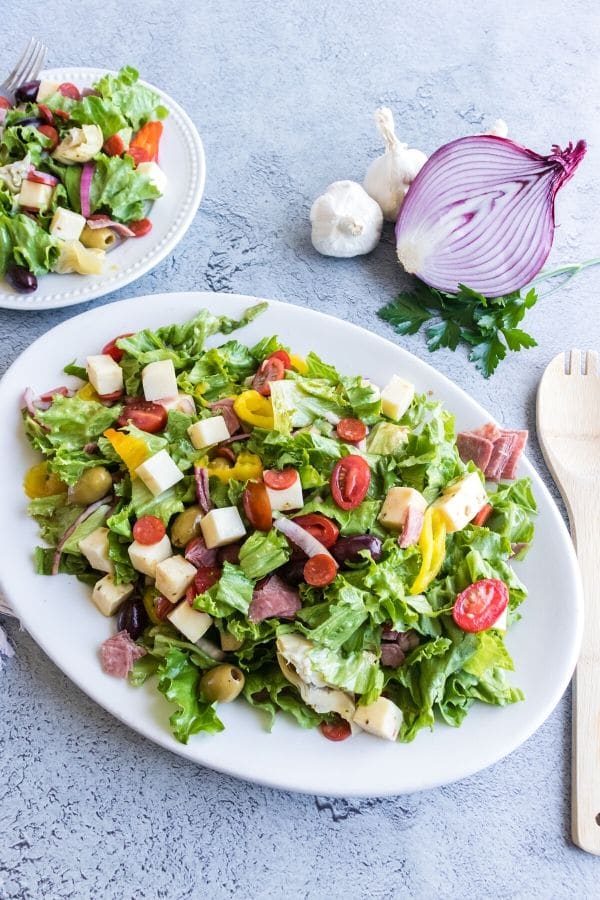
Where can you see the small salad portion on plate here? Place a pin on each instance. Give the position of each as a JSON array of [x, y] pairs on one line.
[[79, 170], [262, 525]]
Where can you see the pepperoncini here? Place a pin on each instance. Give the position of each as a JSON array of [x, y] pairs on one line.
[[39, 482], [133, 451], [254, 409], [247, 467], [87, 392], [433, 549], [298, 364]]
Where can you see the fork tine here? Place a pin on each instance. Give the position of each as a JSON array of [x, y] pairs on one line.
[[591, 363], [23, 65], [575, 363], [37, 63], [11, 81]]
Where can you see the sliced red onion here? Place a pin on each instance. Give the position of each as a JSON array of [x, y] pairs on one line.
[[87, 174], [300, 537], [85, 514], [99, 221], [28, 400], [210, 649], [481, 213], [236, 437], [202, 488]]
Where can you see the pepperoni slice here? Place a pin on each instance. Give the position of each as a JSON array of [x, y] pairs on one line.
[[141, 227], [64, 115], [279, 479], [350, 481], [148, 530], [5, 104], [335, 731], [114, 145], [41, 178], [110, 398], [257, 506], [483, 515], [45, 114], [111, 348], [205, 578], [144, 414], [351, 430], [68, 89], [283, 356], [320, 570], [50, 132], [480, 605], [321, 528], [270, 369]]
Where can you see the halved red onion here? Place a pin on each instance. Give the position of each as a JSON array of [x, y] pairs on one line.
[[481, 213], [100, 221], [85, 185], [300, 537]]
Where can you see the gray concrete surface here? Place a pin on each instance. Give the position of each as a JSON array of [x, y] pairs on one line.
[[283, 93]]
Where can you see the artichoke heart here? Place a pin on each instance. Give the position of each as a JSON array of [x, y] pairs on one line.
[[74, 257], [292, 656], [80, 145]]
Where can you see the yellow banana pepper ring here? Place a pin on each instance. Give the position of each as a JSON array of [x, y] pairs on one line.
[[133, 451], [247, 467], [433, 550], [298, 364], [87, 392], [254, 409], [39, 482]]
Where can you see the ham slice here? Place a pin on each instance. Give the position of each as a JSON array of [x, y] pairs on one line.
[[225, 408], [272, 598], [475, 447], [520, 440], [392, 655], [118, 654], [490, 431], [198, 554], [500, 456], [494, 450], [411, 530]]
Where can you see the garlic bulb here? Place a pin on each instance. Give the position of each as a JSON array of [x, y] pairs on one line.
[[345, 221], [389, 176], [499, 128]]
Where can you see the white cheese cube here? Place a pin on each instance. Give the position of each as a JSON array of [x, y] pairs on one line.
[[154, 173], [222, 526], [104, 374], [207, 432], [95, 549], [159, 380], [192, 623], [159, 472], [173, 577], [46, 89], [145, 557], [460, 502], [396, 504], [109, 596], [66, 225], [34, 195], [182, 403], [288, 498], [396, 397], [382, 718], [501, 623]]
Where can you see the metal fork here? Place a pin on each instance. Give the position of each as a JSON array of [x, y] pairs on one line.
[[27, 68]]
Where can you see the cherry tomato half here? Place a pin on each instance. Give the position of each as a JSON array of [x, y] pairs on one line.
[[270, 369], [283, 356], [257, 506], [50, 132], [321, 528], [204, 579], [279, 479], [114, 145], [138, 155], [5, 104], [479, 605], [148, 530], [141, 227], [483, 514], [61, 114], [111, 348], [144, 414], [350, 481], [352, 430], [320, 570], [335, 731], [68, 89]]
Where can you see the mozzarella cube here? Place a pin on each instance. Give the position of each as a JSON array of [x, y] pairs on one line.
[[222, 526], [159, 380], [501, 623], [109, 596], [46, 89], [208, 432], [181, 403], [382, 718], [154, 174], [145, 557], [288, 498], [34, 195], [173, 577], [159, 472], [95, 549], [396, 505], [192, 623], [104, 374], [396, 397], [460, 502], [66, 225]]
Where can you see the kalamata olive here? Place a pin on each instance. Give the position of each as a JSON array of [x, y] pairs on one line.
[[27, 92], [347, 549], [94, 484], [222, 684], [230, 553], [90, 92], [293, 571], [133, 617], [186, 526], [21, 279], [30, 120]]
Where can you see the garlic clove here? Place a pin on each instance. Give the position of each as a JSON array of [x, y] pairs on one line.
[[389, 176], [345, 221], [498, 128]]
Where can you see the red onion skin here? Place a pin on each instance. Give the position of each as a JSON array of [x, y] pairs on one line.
[[87, 174], [99, 221]]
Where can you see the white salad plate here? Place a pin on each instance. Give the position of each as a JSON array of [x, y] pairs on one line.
[[61, 618], [182, 160]]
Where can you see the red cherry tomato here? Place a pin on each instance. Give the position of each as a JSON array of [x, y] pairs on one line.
[[257, 506], [111, 348], [45, 113], [114, 145], [144, 414], [41, 178], [50, 132], [320, 570], [270, 369], [350, 481], [64, 115], [141, 227], [204, 579], [5, 104], [148, 530], [138, 155], [162, 607], [148, 139], [479, 605], [279, 479], [283, 356], [483, 514], [67, 89], [321, 528], [352, 430], [335, 731]]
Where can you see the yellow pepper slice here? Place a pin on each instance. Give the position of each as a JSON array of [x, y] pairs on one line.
[[39, 482], [433, 549], [133, 451], [247, 467], [254, 409], [87, 392], [298, 364]]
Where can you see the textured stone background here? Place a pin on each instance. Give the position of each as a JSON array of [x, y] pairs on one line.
[[283, 94]]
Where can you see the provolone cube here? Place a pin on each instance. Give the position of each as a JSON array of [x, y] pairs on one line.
[[288, 498], [382, 718], [396, 504], [45, 89], [159, 472], [154, 173], [109, 597], [66, 225], [104, 374], [208, 432], [159, 380], [460, 502], [192, 623], [173, 577], [396, 397], [182, 403], [501, 623], [145, 557], [95, 549], [222, 526], [34, 195]]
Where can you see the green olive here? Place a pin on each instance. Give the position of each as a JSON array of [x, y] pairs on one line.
[[229, 642], [93, 485], [222, 684], [186, 526]]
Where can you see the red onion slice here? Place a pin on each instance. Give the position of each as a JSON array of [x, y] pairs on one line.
[[87, 174], [100, 221], [202, 488], [85, 514], [210, 649], [301, 538]]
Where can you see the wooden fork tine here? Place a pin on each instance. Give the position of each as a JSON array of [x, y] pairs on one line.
[[575, 362], [591, 363]]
